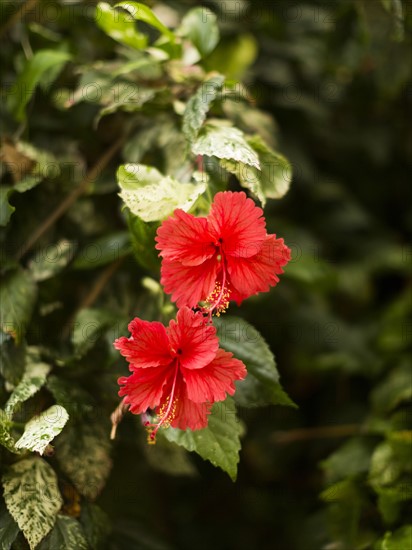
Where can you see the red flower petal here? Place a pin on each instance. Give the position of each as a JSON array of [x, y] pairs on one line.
[[185, 238], [147, 347], [189, 284], [215, 380], [144, 388], [194, 341], [257, 274], [238, 222], [190, 415]]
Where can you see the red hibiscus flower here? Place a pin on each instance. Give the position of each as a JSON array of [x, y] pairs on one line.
[[226, 256], [179, 371]]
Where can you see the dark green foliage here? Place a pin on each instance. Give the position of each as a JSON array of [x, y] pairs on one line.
[[96, 94]]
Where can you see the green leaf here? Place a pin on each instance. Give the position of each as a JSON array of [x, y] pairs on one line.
[[105, 250], [35, 70], [394, 390], [48, 262], [401, 539], [128, 97], [140, 12], [6, 438], [200, 26], [168, 458], [95, 522], [17, 297], [88, 328], [152, 196], [42, 429], [261, 385], [67, 534], [32, 497], [349, 460], [119, 26], [273, 179], [83, 452], [199, 104], [8, 530], [6, 209], [33, 379], [219, 442], [225, 142], [12, 359], [142, 236]]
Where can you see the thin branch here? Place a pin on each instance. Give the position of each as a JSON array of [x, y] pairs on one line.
[[70, 199], [321, 432], [24, 9]]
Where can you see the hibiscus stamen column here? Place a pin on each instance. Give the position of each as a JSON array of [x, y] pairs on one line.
[[166, 412], [218, 299]]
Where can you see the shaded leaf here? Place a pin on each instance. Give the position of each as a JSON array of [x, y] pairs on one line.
[[83, 452], [88, 328], [49, 261], [219, 442], [17, 296], [168, 458], [42, 429], [8, 530], [152, 196], [95, 522], [261, 385], [103, 251], [67, 534], [32, 497]]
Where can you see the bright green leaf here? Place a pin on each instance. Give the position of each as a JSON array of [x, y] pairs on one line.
[[261, 385], [83, 452], [394, 389], [142, 236], [225, 142], [32, 497], [200, 26], [140, 12], [17, 296], [34, 71], [67, 534], [152, 196], [6, 209], [401, 539], [119, 26], [199, 104], [219, 442], [42, 429], [33, 379]]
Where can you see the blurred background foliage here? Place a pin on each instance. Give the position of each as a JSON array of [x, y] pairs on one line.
[[330, 87]]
